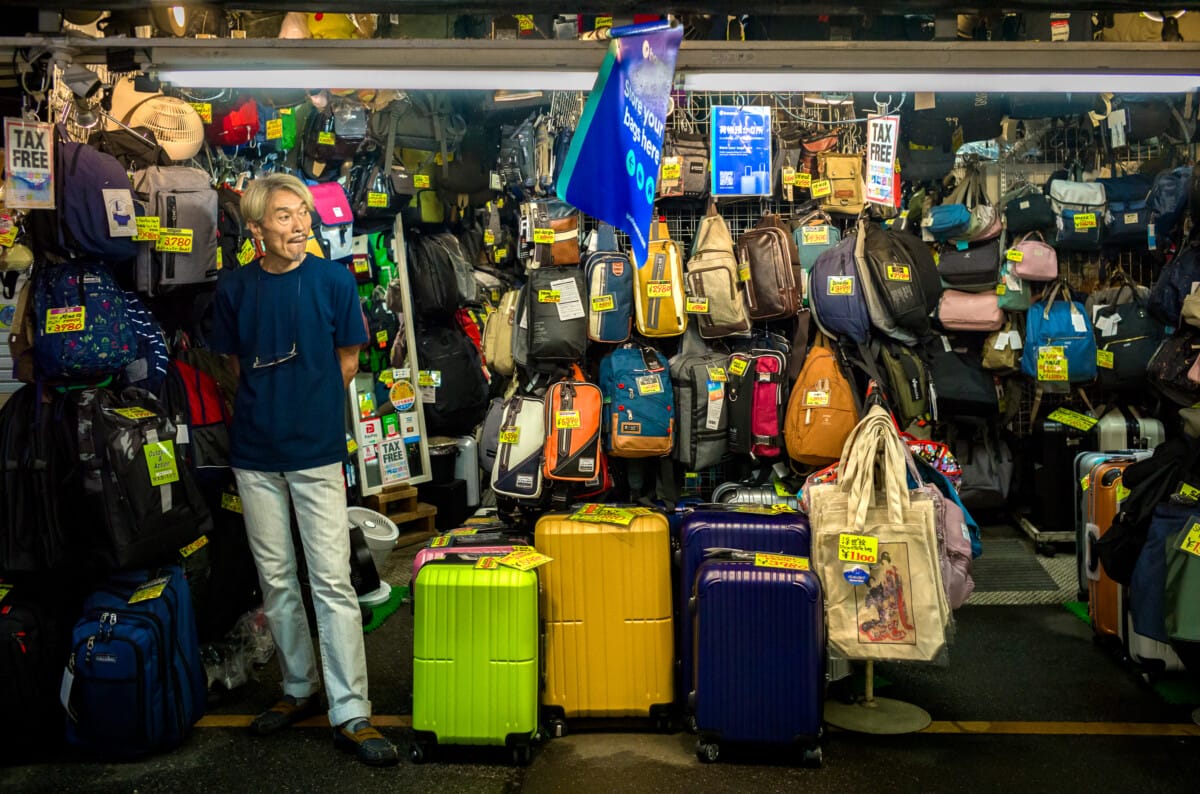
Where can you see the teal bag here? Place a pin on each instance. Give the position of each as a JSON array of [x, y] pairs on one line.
[[1016, 295], [1183, 587]]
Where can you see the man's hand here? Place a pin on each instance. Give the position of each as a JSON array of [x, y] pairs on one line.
[[348, 359]]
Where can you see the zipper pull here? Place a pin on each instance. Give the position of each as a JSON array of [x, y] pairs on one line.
[[91, 643], [807, 416], [20, 638]]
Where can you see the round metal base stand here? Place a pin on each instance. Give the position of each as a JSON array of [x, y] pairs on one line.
[[881, 716], [1196, 716]]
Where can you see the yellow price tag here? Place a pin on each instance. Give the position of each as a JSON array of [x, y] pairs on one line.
[[489, 237], [548, 296], [361, 264], [658, 289], [194, 546], [381, 338], [603, 303], [1065, 416], [840, 285], [351, 445], [603, 22], [785, 561], [1052, 364], [744, 272], [816, 399], [738, 366], [326, 138], [1104, 358], [510, 435], [821, 188], [525, 22], [1085, 220], [134, 413], [696, 305], [858, 548], [1191, 540], [147, 228], [487, 563], [68, 319], [9, 235], [441, 541], [274, 129], [1122, 492], [1189, 491], [421, 181], [246, 253], [501, 254], [377, 200], [429, 378], [231, 502], [604, 514], [543, 236], [803, 179], [1085, 483], [716, 374], [174, 241], [649, 384], [672, 168], [815, 235], [899, 273], [566, 420], [524, 560], [150, 590], [463, 531], [160, 461], [5, 589], [1001, 289], [204, 110], [1013, 255]]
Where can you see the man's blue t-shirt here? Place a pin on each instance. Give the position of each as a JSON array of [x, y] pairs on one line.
[[284, 328]]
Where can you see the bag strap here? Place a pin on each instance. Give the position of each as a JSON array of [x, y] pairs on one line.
[[692, 344], [605, 237]]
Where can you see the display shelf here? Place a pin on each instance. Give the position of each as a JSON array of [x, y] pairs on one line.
[[414, 519]]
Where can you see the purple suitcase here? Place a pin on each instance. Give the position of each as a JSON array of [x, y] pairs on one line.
[[760, 657], [784, 533]]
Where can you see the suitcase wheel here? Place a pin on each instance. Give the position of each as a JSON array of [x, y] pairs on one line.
[[813, 757], [521, 755], [556, 727], [707, 752], [418, 753]]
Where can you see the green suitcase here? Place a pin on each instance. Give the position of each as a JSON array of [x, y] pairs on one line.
[[475, 657]]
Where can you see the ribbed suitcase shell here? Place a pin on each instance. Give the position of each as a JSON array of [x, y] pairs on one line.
[[786, 533], [475, 654], [606, 609], [760, 654], [1104, 595]]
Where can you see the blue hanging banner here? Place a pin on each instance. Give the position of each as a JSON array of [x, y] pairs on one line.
[[620, 133]]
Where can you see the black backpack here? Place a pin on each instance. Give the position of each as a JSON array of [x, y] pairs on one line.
[[135, 478], [904, 277], [450, 363], [432, 277]]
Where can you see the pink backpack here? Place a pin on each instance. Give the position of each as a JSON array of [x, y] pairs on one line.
[[1033, 260]]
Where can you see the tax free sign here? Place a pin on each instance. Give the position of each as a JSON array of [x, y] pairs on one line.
[[612, 167]]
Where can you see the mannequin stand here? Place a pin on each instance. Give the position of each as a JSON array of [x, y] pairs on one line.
[[879, 716]]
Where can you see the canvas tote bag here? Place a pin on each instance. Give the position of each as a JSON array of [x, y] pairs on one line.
[[901, 612]]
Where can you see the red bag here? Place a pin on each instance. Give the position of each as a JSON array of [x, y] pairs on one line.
[[767, 404], [235, 126]]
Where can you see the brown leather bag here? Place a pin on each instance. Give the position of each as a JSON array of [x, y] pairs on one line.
[[767, 256]]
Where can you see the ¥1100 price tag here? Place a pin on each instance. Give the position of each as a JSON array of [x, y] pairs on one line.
[[174, 241], [858, 548]]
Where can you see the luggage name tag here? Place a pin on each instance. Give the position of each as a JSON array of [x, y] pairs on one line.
[[510, 435], [1191, 541], [67, 319], [1085, 483], [1078, 323], [603, 303], [194, 546], [649, 384], [161, 462], [150, 590], [174, 241], [785, 561]]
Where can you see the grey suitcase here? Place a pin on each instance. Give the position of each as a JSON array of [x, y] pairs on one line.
[[1126, 428]]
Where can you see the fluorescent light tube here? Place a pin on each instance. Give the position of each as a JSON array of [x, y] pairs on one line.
[[411, 79], [784, 81]]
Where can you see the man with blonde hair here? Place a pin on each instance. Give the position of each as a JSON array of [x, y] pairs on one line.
[[292, 327]]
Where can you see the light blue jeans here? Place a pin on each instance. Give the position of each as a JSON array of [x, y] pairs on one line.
[[320, 498]]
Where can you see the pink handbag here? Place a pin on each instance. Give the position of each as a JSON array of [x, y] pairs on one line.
[[1193, 374], [970, 311], [1033, 260]]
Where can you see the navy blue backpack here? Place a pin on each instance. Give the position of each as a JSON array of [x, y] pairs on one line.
[[836, 294], [1168, 200], [82, 321], [1174, 284], [135, 683], [83, 173], [1128, 214], [610, 278]]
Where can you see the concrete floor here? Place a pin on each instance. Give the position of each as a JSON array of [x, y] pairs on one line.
[[1027, 667]]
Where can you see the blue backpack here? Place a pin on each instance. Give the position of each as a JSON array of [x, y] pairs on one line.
[[136, 682], [82, 321], [1128, 214], [149, 370], [835, 293], [1060, 345], [1175, 283], [639, 403], [1168, 199], [610, 287]]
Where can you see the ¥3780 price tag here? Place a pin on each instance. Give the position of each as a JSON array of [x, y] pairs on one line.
[[174, 241]]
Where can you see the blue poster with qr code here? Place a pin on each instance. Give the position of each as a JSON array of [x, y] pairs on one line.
[[611, 170], [741, 151]]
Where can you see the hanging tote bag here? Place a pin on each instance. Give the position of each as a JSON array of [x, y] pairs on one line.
[[900, 612], [1033, 260], [1060, 343]]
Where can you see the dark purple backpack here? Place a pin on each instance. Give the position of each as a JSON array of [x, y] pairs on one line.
[[835, 293], [82, 174]]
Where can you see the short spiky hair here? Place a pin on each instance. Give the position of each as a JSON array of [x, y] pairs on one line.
[[254, 200]]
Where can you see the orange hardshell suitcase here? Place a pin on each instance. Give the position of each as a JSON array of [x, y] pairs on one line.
[[1104, 595], [607, 612]]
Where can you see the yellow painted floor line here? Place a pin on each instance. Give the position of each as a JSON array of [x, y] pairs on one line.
[[944, 727], [243, 721], [1066, 728]]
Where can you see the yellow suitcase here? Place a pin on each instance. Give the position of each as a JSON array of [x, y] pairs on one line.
[[606, 608]]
